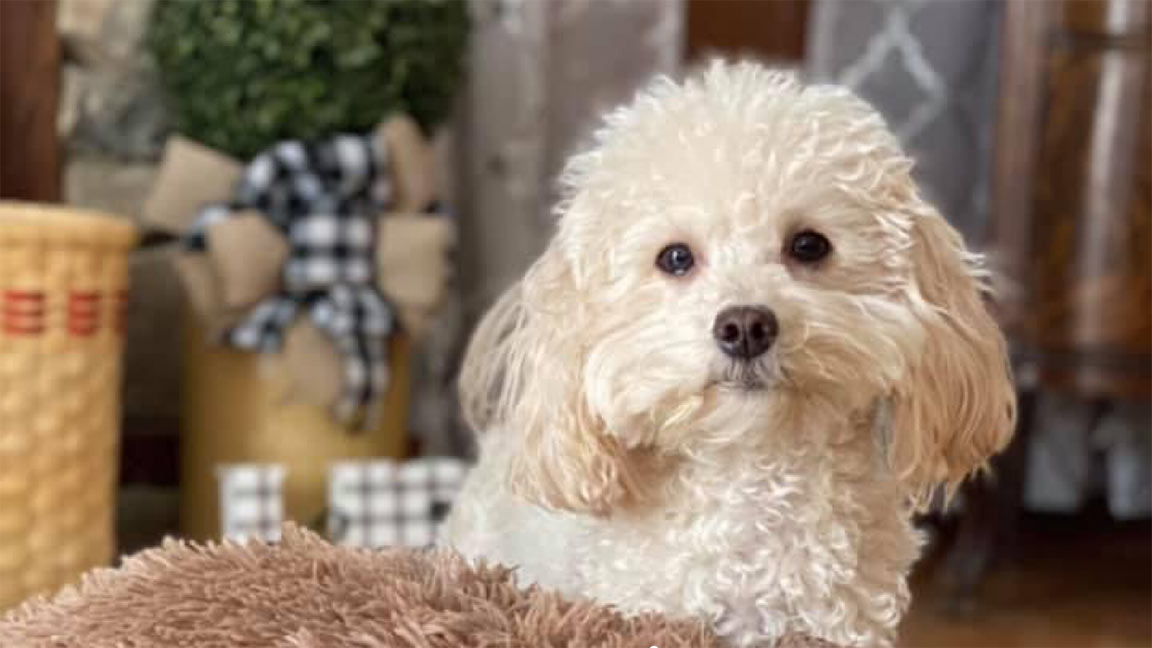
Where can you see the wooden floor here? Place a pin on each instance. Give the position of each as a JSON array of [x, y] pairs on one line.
[[1075, 582]]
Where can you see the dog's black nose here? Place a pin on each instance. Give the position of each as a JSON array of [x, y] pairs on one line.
[[744, 332]]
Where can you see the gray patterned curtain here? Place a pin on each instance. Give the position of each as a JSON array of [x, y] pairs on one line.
[[931, 68]]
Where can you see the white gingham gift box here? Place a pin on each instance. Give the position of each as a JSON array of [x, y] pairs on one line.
[[251, 501], [383, 503]]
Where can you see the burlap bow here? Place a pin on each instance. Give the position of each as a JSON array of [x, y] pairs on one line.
[[305, 252]]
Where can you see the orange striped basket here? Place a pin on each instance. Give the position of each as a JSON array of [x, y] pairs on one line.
[[63, 282]]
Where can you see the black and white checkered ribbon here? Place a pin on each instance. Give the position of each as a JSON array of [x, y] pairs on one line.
[[325, 198]]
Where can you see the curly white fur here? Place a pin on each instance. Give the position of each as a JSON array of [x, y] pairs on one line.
[[621, 459]]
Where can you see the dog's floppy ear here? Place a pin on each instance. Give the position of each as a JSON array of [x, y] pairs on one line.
[[956, 405], [523, 373]]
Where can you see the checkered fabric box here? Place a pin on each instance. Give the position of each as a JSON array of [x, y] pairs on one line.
[[383, 503], [251, 501]]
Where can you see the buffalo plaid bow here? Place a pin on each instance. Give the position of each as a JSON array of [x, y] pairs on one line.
[[325, 198]]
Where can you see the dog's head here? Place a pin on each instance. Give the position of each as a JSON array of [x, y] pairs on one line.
[[738, 243]]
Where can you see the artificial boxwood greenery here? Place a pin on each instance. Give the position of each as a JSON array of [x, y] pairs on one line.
[[244, 74]]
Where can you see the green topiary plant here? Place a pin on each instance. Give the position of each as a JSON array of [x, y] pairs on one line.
[[243, 74]]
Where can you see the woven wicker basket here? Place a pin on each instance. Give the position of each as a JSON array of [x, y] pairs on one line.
[[63, 277]]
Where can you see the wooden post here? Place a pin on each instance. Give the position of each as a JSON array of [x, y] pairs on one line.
[[29, 97], [771, 29]]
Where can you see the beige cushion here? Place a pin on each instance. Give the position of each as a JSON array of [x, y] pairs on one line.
[[190, 175], [312, 365], [202, 285], [413, 267], [247, 253], [412, 162]]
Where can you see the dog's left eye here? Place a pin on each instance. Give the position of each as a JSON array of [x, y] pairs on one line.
[[809, 247], [676, 259]]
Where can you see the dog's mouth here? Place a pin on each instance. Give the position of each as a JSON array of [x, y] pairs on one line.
[[746, 378], [748, 385]]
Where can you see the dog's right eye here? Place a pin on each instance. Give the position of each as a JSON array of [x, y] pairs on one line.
[[676, 259]]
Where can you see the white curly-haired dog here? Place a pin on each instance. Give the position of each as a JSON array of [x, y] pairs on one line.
[[749, 353]]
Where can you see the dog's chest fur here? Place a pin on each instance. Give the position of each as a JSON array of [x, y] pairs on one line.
[[804, 541]]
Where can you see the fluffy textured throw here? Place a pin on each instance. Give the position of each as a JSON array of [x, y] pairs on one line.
[[307, 593]]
